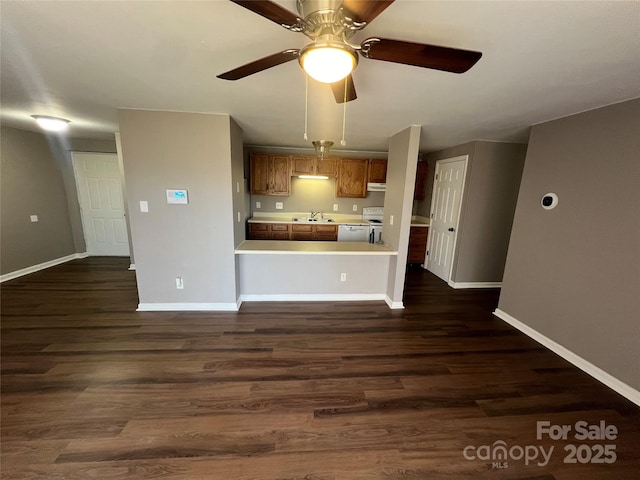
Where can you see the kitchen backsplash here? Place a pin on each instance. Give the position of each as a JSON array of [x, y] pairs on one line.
[[315, 195]]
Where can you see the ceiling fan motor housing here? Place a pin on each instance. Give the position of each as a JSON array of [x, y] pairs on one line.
[[326, 17]]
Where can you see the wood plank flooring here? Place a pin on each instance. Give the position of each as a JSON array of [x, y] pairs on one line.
[[92, 389]]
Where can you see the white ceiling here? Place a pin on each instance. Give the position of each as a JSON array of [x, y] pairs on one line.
[[541, 60]]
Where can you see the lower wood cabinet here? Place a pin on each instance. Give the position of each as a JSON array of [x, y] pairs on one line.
[[268, 231], [417, 244], [287, 231], [314, 232]]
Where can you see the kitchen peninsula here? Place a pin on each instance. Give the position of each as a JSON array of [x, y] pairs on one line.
[[308, 259], [285, 270]]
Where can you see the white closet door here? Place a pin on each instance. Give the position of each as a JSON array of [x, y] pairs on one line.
[[101, 203]]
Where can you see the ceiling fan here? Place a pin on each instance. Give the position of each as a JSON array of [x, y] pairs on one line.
[[330, 58]]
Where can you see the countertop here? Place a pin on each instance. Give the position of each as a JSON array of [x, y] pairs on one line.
[[337, 219], [288, 218], [417, 221], [279, 247]]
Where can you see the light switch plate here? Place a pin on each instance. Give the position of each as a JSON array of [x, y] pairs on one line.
[[144, 206], [355, 207], [34, 218], [258, 205], [335, 207]]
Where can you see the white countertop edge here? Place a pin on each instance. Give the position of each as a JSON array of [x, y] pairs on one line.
[[289, 220], [285, 247]]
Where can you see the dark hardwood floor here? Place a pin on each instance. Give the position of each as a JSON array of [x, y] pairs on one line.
[[92, 389]]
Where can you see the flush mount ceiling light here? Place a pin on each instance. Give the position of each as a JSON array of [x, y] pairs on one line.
[[328, 61], [51, 124]]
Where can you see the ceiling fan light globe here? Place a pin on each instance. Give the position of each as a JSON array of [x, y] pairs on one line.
[[328, 64]]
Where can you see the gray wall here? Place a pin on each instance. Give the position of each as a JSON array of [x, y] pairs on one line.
[[573, 273], [317, 195], [166, 150], [493, 178], [401, 177], [32, 184]]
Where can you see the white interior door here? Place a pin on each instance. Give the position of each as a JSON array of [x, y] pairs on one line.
[[101, 203], [448, 185]]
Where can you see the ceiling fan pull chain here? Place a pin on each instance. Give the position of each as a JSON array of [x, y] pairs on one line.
[[343, 142], [306, 104]]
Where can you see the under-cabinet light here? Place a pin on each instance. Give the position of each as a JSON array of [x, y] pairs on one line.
[[314, 177]]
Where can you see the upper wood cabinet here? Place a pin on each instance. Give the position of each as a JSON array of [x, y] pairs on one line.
[[377, 170], [421, 181], [352, 178], [270, 174], [309, 165]]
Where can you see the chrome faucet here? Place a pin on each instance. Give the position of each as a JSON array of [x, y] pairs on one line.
[[313, 214]]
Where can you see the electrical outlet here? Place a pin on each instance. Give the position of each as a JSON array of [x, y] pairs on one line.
[[335, 207], [279, 206], [391, 220], [343, 277], [355, 207], [34, 218], [179, 283], [239, 217], [258, 205], [237, 187]]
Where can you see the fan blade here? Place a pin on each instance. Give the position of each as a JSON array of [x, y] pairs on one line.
[[271, 11], [365, 10], [420, 55], [338, 89], [260, 65]]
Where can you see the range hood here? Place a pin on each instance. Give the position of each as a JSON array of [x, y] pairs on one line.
[[376, 187]]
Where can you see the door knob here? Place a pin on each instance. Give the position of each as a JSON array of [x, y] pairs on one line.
[[451, 229]]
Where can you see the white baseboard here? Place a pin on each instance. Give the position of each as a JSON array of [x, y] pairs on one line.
[[393, 305], [475, 284], [41, 266], [187, 307], [609, 380], [319, 297], [132, 266]]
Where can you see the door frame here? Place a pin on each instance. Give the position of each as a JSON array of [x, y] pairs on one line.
[[79, 197], [457, 227]]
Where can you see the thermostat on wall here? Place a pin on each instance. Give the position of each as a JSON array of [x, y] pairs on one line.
[[177, 197]]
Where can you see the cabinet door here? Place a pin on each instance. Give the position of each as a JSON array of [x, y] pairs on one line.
[[377, 171], [302, 232], [352, 178], [280, 175], [279, 231], [260, 174], [328, 167], [326, 232], [421, 181], [258, 231], [303, 165], [417, 244]]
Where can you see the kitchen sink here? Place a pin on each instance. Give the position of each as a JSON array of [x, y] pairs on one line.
[[312, 220]]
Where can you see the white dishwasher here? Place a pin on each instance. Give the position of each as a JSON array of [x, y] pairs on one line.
[[353, 233]]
